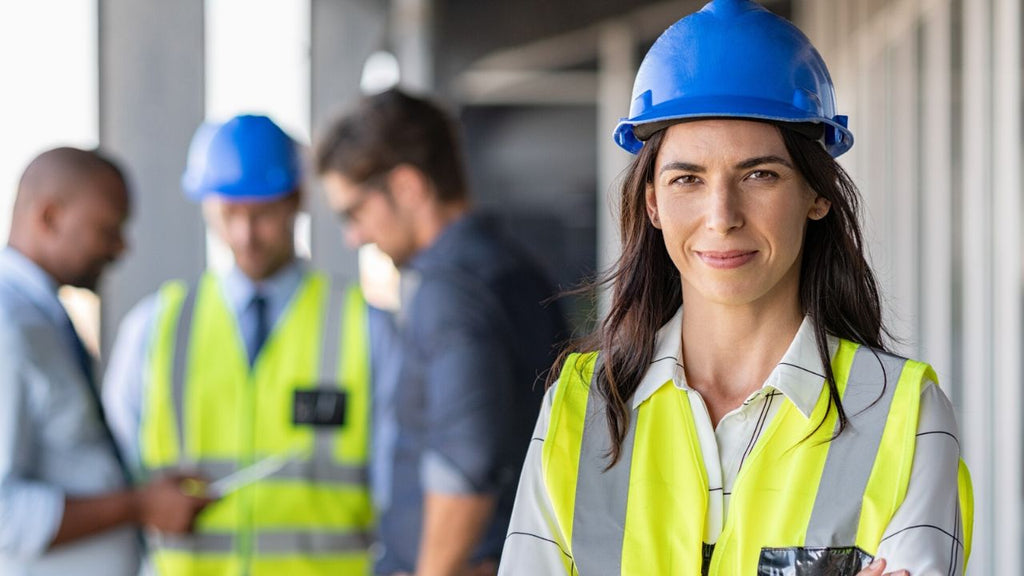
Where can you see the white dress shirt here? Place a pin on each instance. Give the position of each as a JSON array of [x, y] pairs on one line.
[[52, 443], [920, 537]]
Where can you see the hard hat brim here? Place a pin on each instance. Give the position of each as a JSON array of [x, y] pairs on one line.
[[631, 133], [240, 196]]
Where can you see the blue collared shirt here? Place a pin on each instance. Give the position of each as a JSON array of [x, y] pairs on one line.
[[52, 443], [474, 337], [278, 290]]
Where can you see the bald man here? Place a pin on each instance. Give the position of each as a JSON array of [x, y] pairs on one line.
[[66, 505]]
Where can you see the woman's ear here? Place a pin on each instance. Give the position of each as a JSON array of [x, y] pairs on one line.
[[819, 209], [651, 199]]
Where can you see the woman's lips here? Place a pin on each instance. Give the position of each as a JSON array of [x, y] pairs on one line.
[[726, 260]]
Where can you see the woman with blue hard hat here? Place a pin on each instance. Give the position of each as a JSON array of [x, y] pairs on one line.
[[737, 411]]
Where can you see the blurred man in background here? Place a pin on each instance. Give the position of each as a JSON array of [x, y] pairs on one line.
[[264, 368], [455, 424], [66, 505]]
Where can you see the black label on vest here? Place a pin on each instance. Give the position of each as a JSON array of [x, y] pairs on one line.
[[319, 408], [813, 561]]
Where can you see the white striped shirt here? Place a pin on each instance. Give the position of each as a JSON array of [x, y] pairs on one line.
[[923, 537]]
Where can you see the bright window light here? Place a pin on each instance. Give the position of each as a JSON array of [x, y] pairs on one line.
[[49, 68], [257, 61], [380, 73], [49, 65]]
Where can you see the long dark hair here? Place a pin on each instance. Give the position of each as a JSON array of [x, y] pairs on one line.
[[838, 290]]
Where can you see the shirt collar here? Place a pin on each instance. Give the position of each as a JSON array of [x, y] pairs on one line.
[[38, 284], [666, 366], [799, 375], [239, 288]]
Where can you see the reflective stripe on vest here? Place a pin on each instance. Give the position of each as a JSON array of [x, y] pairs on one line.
[[293, 470], [268, 542], [798, 489], [207, 411]]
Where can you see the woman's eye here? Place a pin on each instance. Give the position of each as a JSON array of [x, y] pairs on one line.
[[686, 179], [763, 175]]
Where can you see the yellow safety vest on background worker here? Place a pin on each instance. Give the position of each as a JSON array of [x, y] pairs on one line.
[[801, 498], [206, 410]]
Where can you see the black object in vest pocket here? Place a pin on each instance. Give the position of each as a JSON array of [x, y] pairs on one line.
[[797, 561], [319, 408]]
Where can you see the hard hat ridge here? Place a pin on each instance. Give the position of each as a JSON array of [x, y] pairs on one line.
[[733, 58], [730, 8]]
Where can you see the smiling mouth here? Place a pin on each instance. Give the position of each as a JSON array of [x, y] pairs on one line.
[[727, 260]]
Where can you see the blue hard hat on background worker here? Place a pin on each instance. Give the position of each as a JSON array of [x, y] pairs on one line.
[[247, 158], [733, 59]]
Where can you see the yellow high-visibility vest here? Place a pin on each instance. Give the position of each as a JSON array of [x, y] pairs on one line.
[[206, 410], [800, 498]]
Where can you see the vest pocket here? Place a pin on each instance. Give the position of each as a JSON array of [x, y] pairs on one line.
[[816, 561]]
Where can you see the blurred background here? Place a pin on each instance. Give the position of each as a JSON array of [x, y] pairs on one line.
[[932, 88]]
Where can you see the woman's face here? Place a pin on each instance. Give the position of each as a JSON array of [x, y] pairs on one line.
[[732, 208]]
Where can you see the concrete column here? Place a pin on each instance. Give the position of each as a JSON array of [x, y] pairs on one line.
[[937, 204], [344, 33], [903, 204], [1007, 151], [980, 443], [151, 100], [616, 70]]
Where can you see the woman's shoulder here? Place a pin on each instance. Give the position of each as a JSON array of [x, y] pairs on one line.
[[578, 364], [864, 357], [935, 404], [575, 374]]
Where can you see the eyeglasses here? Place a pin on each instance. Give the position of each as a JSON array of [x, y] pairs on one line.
[[371, 186]]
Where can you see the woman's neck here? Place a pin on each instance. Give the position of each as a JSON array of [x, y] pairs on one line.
[[729, 351]]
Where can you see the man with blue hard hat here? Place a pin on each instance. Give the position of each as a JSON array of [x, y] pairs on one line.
[[257, 379]]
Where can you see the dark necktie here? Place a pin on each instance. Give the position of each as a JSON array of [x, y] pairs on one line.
[[85, 363], [261, 325]]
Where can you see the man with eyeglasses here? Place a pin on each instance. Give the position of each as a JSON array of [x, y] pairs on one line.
[[453, 429]]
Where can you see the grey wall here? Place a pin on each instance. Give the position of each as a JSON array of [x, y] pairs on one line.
[[344, 33], [151, 100]]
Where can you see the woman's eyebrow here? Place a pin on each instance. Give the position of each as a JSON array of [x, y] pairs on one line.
[[764, 160], [744, 165], [684, 166]]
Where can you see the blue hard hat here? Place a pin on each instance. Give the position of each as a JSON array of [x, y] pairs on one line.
[[733, 59], [247, 158]]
